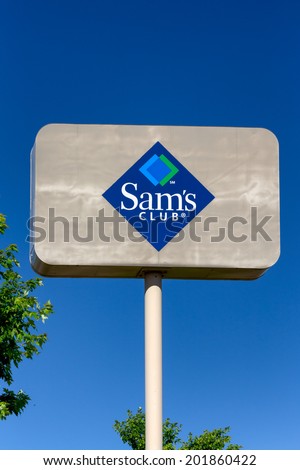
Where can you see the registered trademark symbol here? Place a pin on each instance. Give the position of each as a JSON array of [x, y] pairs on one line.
[[183, 215]]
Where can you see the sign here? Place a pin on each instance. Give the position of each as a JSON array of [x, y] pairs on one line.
[[191, 202], [156, 209]]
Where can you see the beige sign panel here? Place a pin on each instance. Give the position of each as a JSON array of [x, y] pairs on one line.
[[118, 200]]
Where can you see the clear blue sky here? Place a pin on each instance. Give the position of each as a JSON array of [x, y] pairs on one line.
[[231, 349]]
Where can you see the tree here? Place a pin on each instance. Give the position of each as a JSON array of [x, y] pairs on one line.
[[132, 432], [217, 439], [19, 314]]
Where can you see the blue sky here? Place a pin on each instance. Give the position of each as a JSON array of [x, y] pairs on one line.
[[231, 349]]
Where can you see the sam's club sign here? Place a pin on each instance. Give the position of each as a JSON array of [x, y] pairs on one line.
[[158, 196]]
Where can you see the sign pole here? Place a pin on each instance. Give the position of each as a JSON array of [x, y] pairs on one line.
[[153, 360]]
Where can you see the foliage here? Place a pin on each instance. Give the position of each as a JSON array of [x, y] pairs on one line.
[[210, 440], [132, 432], [170, 434], [19, 314]]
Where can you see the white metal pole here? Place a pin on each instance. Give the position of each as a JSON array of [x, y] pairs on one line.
[[153, 360]]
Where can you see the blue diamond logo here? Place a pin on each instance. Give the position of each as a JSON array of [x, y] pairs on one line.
[[158, 196], [159, 170]]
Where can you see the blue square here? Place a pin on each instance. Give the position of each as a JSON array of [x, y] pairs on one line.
[[158, 213], [159, 170]]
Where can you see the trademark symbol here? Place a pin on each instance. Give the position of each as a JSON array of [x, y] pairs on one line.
[[172, 182]]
